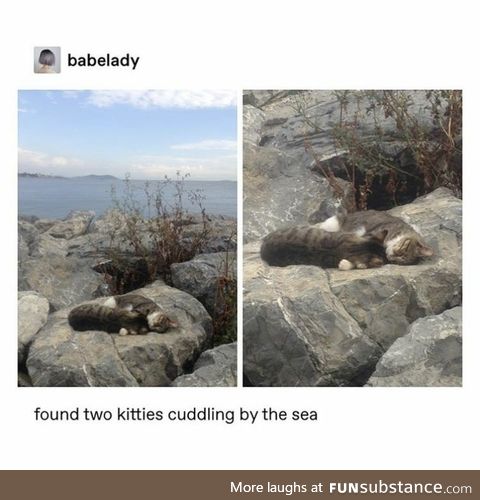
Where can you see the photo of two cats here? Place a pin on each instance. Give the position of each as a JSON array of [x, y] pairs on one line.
[[361, 241]]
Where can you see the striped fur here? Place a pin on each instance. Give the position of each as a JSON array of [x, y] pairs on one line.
[[312, 245]]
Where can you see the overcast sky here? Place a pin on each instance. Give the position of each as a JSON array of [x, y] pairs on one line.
[[147, 134]]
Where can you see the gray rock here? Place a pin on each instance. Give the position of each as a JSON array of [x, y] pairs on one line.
[[286, 129], [261, 98], [216, 367], [32, 315], [44, 224], [308, 326], [75, 224], [46, 245], [63, 281], [277, 192], [429, 355], [27, 236], [200, 277], [60, 356], [253, 119], [222, 234], [31, 219], [296, 332]]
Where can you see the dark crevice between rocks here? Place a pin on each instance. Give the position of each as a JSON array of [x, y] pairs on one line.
[[387, 187], [187, 368], [414, 311], [122, 275], [363, 375], [24, 379], [22, 365]]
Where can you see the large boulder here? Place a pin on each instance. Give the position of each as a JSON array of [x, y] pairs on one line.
[[308, 326], [32, 315], [201, 277], [277, 191], [429, 355], [221, 233], [296, 331], [63, 281], [27, 236], [44, 224], [291, 118], [216, 367], [75, 224], [46, 245], [253, 119], [60, 356]]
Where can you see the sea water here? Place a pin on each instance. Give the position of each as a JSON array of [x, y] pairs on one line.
[[56, 197]]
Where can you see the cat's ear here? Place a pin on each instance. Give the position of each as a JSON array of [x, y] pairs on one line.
[[424, 250], [380, 235]]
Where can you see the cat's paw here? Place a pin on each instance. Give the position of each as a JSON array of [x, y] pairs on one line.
[[133, 332], [123, 331], [345, 265], [361, 266]]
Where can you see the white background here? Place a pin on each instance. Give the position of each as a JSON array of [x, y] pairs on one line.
[[235, 45]]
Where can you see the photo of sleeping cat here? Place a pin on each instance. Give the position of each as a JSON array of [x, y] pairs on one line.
[[128, 314], [311, 245], [352, 231], [127, 271]]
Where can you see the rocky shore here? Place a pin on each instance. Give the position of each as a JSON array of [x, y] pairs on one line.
[[62, 264]]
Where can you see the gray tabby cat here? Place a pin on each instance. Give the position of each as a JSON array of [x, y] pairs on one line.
[[312, 245], [403, 245], [124, 314]]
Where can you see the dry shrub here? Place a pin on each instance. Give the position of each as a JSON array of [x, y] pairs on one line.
[[431, 140], [151, 230]]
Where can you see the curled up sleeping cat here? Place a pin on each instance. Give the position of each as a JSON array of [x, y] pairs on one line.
[[402, 243], [311, 245], [128, 314]]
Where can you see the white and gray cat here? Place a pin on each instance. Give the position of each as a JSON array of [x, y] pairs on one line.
[[128, 314], [311, 245], [402, 243]]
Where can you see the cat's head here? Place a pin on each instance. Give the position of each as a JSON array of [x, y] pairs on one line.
[[159, 322], [406, 249]]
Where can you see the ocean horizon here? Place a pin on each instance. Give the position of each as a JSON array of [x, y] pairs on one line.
[[52, 197]]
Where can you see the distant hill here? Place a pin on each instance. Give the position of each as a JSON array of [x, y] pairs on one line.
[[45, 176], [99, 177], [40, 176]]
